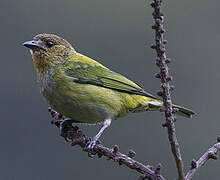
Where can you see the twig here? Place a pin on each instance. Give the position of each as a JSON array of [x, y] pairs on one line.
[[75, 136], [161, 62], [211, 153]]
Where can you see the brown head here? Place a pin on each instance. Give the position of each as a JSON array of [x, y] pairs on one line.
[[48, 50]]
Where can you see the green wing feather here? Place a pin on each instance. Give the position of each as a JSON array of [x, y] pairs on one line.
[[85, 70], [91, 72]]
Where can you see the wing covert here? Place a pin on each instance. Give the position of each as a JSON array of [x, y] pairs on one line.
[[86, 73]]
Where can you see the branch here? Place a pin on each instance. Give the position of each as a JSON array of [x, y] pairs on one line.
[[161, 62], [211, 153], [75, 136]]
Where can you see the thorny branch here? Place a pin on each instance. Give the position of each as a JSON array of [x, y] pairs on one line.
[[161, 62], [75, 136], [211, 153]]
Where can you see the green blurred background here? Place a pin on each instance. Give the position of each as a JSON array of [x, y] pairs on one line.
[[118, 33]]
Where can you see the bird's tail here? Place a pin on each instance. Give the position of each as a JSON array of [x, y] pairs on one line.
[[182, 111]]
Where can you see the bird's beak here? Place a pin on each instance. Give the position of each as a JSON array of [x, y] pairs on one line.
[[34, 45]]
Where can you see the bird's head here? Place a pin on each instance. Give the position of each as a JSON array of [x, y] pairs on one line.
[[48, 50]]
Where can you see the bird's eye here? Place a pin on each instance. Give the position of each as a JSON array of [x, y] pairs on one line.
[[49, 43]]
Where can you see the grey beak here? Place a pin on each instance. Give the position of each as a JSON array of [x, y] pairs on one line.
[[34, 45]]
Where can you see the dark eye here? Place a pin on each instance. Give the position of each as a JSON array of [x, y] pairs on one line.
[[50, 43]]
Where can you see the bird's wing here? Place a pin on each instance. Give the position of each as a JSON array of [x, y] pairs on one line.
[[98, 75]]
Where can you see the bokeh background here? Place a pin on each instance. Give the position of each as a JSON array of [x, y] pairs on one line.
[[118, 33]]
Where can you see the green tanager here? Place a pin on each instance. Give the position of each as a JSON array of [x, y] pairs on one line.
[[80, 88]]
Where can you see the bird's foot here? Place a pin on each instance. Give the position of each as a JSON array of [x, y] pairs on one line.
[[90, 145], [64, 126]]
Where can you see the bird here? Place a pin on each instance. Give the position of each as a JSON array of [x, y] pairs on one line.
[[84, 90]]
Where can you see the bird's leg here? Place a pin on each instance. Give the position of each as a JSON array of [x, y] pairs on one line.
[[90, 145]]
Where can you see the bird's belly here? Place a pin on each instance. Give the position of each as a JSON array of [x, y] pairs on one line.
[[85, 103], [85, 113]]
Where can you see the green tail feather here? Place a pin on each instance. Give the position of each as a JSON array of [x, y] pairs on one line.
[[182, 111]]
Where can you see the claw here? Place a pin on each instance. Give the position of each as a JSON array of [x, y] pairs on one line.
[[90, 145]]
